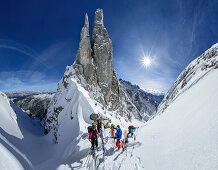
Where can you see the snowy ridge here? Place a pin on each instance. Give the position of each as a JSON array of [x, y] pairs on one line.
[[71, 108], [154, 92], [194, 72]]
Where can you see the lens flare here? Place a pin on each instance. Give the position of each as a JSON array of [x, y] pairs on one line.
[[146, 61]]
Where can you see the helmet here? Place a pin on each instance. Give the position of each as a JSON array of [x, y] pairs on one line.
[[118, 126]]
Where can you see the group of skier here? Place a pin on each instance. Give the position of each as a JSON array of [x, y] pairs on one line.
[[116, 133], [94, 130]]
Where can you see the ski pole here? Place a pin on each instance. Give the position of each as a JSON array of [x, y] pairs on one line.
[[87, 159]]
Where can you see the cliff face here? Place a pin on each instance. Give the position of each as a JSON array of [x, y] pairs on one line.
[[95, 63]]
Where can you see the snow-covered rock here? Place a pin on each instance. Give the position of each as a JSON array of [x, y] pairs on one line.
[[193, 73], [36, 105], [145, 102], [17, 95]]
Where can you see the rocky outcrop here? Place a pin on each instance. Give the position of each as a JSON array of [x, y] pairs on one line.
[[84, 57]]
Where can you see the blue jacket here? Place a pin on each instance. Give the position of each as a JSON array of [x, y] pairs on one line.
[[119, 134]]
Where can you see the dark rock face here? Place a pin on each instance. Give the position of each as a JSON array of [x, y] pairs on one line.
[[146, 103], [94, 116], [102, 54], [35, 105]]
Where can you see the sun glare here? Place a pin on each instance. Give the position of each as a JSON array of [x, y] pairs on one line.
[[146, 61]]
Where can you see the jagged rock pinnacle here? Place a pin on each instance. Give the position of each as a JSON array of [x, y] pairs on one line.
[[84, 52], [99, 17], [84, 57], [86, 21], [102, 54]]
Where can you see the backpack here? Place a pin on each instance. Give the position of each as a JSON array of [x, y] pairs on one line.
[[90, 129], [94, 134], [99, 125]]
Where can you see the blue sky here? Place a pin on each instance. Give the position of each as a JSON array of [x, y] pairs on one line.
[[38, 39]]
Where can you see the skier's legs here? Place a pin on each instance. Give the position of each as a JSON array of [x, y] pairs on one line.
[[112, 132], [96, 143], [99, 129], [93, 144], [128, 134], [118, 143]]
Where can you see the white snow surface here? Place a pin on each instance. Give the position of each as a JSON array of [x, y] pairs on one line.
[[185, 135]]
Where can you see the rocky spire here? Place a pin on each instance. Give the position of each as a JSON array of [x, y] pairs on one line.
[[84, 57], [84, 53], [98, 20], [102, 54], [86, 21]]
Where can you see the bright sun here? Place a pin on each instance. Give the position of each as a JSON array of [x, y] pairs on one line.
[[146, 61]]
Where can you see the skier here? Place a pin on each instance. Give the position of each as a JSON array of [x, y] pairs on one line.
[[112, 130], [118, 136], [99, 125], [131, 130], [93, 136]]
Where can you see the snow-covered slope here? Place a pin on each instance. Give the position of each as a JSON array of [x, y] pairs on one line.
[[183, 135], [22, 141], [193, 73], [145, 102], [23, 144], [17, 134]]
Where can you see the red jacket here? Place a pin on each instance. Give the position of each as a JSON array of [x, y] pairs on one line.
[[90, 134]]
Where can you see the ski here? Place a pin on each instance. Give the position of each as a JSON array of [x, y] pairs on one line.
[[124, 140]]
